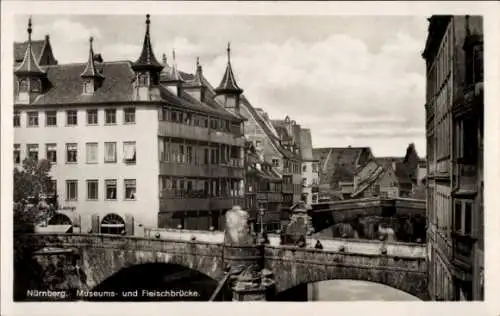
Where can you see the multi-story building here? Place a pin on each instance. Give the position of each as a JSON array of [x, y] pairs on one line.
[[132, 144], [454, 124], [310, 174], [263, 192]]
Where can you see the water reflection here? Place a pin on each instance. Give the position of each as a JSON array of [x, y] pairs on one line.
[[350, 290]]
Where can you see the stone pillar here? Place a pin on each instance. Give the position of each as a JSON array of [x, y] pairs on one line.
[[253, 286], [245, 259]]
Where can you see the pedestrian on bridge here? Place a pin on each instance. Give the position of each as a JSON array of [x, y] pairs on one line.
[[318, 245]]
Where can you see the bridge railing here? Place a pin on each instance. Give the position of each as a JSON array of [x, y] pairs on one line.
[[184, 234]]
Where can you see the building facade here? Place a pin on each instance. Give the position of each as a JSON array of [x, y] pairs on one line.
[[454, 129], [132, 144], [310, 174]]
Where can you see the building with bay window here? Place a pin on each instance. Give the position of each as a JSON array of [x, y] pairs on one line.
[[454, 181], [132, 144]]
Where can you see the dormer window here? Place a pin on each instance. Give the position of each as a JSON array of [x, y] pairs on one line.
[[23, 85], [143, 79], [87, 87]]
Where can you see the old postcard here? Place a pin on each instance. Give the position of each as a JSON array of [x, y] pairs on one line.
[[172, 153]]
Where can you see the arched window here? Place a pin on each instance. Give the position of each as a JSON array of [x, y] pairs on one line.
[[112, 224], [60, 219]]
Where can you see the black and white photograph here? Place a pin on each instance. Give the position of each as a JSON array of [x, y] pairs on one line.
[[168, 156]]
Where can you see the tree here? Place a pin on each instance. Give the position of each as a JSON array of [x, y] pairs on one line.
[[34, 198]]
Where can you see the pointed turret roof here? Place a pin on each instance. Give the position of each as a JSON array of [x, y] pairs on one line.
[[172, 73], [228, 83], [198, 76], [90, 70], [147, 59], [29, 65]]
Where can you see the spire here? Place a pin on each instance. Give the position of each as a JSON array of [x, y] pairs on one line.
[[91, 71], [147, 59], [164, 60], [29, 66], [228, 83], [174, 74], [198, 77]]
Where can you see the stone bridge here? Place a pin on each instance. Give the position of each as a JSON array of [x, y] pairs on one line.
[[99, 257], [405, 216]]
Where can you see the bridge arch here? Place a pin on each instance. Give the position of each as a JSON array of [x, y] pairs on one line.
[[156, 281], [288, 292], [293, 266]]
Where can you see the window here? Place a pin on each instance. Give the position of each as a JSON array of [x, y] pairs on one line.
[[92, 117], [304, 168], [17, 119], [50, 118], [53, 188], [112, 224], [51, 152], [314, 167], [87, 87], [205, 157], [276, 162], [110, 189], [32, 119], [129, 152], [130, 189], [129, 115], [109, 152], [110, 116], [17, 154], [468, 218], [71, 190], [33, 151], [189, 154], [71, 118], [71, 153], [92, 189], [91, 151], [458, 216]]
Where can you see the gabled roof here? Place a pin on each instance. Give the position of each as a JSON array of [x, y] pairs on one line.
[[339, 163], [147, 59], [228, 83]]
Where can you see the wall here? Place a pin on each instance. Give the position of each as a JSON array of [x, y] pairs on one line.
[[144, 209]]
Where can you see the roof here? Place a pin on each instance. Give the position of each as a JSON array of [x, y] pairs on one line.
[[228, 82], [339, 163], [170, 73], [20, 49], [66, 88], [306, 144], [147, 59], [29, 65], [90, 69]]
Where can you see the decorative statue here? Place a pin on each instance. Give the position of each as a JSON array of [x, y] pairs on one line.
[[237, 230]]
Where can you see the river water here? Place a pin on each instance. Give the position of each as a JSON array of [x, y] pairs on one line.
[[348, 290]]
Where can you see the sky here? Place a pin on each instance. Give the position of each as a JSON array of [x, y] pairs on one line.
[[353, 80]]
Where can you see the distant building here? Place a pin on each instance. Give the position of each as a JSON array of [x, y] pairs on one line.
[[337, 167], [454, 127], [310, 174], [263, 192], [385, 180]]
